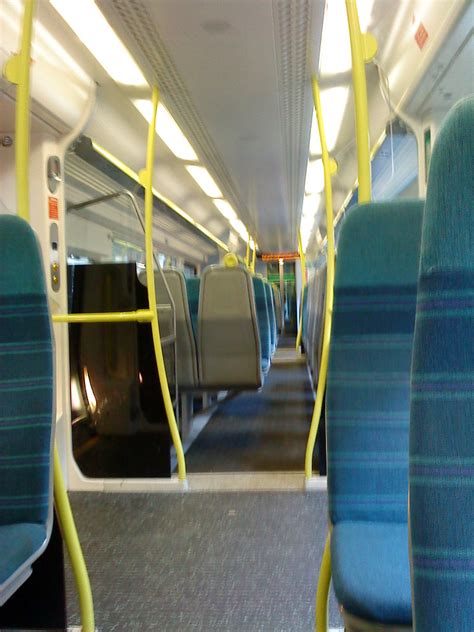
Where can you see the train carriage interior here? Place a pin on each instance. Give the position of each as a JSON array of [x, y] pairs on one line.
[[237, 315]]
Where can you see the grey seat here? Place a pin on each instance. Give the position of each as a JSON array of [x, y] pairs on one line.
[[187, 367], [229, 343]]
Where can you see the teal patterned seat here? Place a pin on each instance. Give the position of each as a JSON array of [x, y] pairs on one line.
[[193, 285], [26, 405], [442, 389], [367, 409], [263, 318]]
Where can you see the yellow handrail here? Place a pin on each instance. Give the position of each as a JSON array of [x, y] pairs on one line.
[[328, 169], [147, 176], [247, 255], [322, 593], [359, 56], [303, 284], [254, 259], [69, 533], [17, 70], [139, 316]]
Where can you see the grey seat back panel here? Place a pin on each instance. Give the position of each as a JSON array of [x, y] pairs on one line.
[[229, 343], [185, 343]]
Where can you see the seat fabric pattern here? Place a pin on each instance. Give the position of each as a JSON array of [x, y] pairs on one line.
[[304, 315], [26, 378], [18, 542], [369, 363], [271, 315], [193, 286], [261, 306], [26, 400], [371, 571], [367, 408], [442, 395]]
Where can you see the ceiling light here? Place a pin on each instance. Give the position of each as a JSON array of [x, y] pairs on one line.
[[225, 209], [333, 106], [205, 180], [314, 177], [335, 54], [91, 27], [364, 9], [239, 227], [167, 129], [311, 205]]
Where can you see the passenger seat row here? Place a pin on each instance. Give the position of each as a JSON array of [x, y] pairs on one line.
[[226, 328]]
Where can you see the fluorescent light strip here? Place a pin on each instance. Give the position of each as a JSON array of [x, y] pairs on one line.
[[225, 209], [204, 179], [134, 176], [333, 106], [89, 24], [314, 177], [167, 129]]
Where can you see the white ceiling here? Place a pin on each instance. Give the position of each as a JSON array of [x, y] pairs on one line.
[[236, 76]]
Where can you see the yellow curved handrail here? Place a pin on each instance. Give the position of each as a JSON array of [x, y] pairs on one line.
[[360, 101], [17, 70], [303, 284], [150, 278], [73, 545], [322, 593], [247, 255], [318, 404]]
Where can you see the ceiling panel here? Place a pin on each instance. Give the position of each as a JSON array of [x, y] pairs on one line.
[[236, 76]]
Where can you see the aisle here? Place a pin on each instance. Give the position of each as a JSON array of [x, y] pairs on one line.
[[258, 431]]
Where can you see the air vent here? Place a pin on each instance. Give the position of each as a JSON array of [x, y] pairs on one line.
[[293, 32]]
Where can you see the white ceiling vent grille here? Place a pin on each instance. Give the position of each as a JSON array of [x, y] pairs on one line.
[[293, 45], [135, 25]]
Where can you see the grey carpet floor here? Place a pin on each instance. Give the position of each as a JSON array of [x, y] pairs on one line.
[[226, 562], [258, 431]]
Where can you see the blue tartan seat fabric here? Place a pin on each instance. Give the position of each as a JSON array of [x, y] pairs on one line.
[[193, 286], [371, 571], [442, 394], [261, 306], [271, 315], [367, 399], [304, 316], [26, 402]]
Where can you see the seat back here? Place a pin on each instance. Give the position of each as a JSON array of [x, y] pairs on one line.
[[26, 379], [187, 368], [442, 388], [318, 321], [261, 305], [229, 343], [367, 397], [278, 310], [193, 288], [304, 318], [271, 315], [311, 302]]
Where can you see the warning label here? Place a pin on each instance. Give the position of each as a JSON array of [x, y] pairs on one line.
[[421, 35], [53, 208]]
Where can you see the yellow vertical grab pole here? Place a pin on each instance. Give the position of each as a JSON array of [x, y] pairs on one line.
[[17, 70], [363, 48], [329, 168], [254, 258], [303, 284], [247, 255], [147, 176]]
